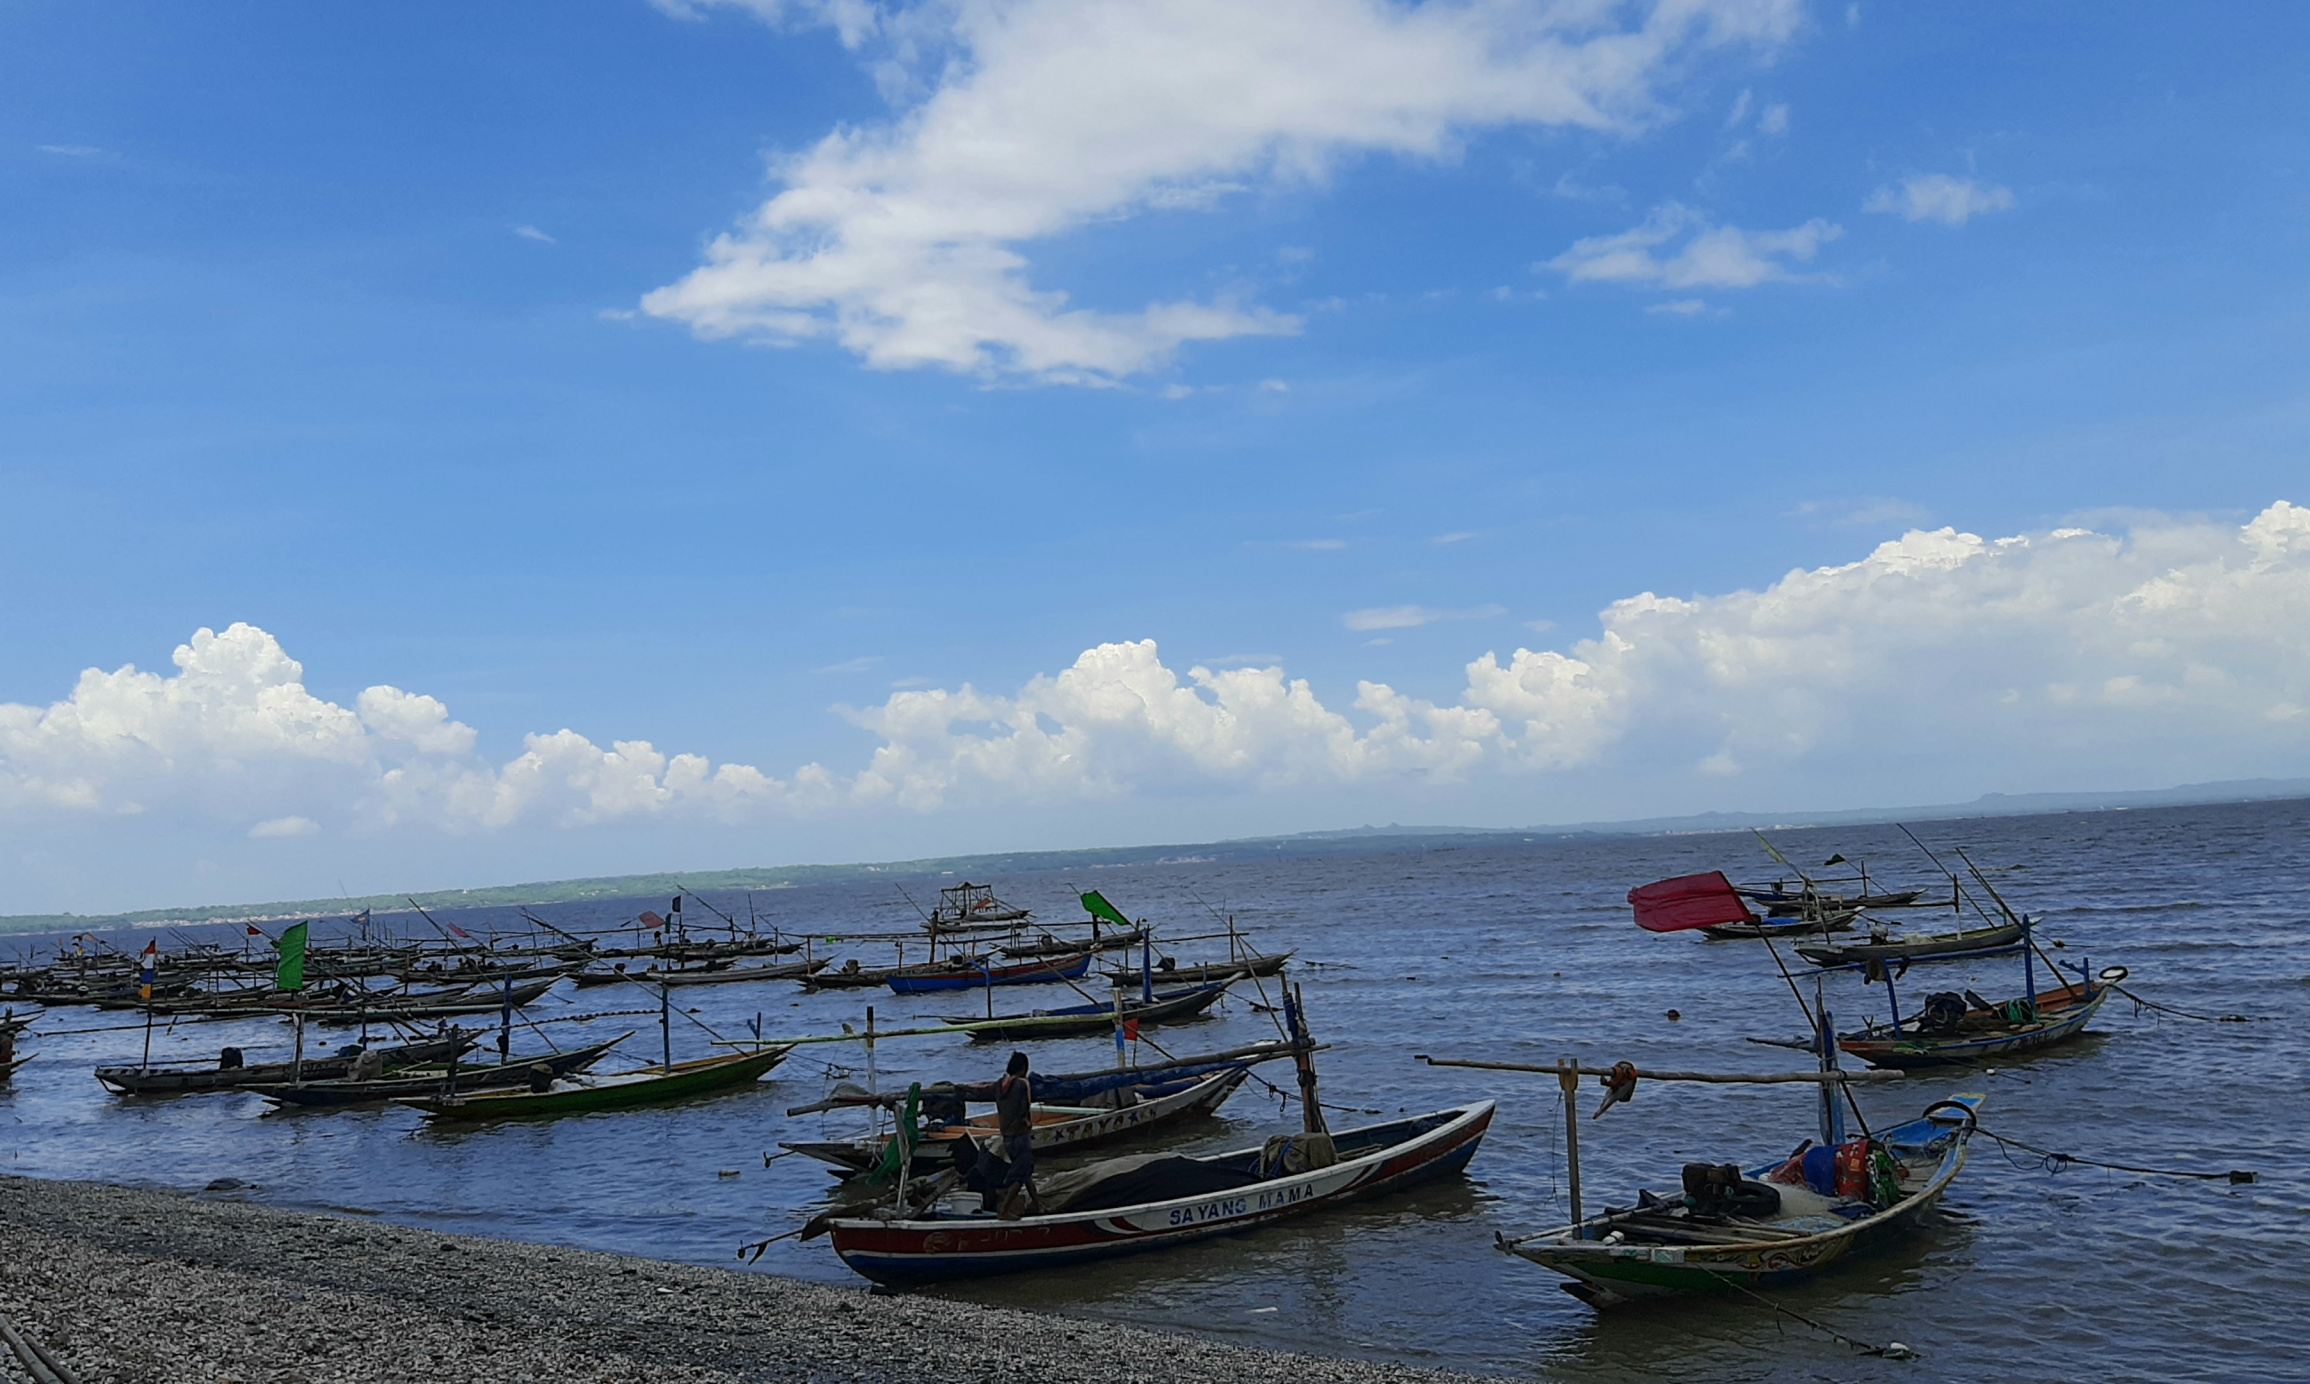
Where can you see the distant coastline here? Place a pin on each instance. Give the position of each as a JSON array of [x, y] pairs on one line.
[[1312, 842]]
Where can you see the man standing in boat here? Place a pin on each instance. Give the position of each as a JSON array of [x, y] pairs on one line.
[[1014, 1113]]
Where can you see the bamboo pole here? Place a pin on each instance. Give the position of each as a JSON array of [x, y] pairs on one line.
[[1717, 1078], [1568, 1080]]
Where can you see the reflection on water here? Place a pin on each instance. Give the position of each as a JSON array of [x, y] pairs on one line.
[[1517, 950]]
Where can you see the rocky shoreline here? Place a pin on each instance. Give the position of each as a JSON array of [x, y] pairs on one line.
[[134, 1286]]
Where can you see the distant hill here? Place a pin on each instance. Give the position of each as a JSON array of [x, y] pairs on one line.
[[1311, 842], [1987, 805]]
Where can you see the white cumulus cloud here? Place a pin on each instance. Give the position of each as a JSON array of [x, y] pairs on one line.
[[2176, 650], [1709, 256], [907, 241], [234, 734], [1940, 197]]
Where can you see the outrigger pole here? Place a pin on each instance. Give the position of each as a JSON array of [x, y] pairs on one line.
[[1659, 1074], [1622, 1080]]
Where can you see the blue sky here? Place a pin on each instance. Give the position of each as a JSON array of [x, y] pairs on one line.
[[1392, 337]]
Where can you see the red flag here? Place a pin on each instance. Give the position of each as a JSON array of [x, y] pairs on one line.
[[151, 964], [1688, 901], [255, 931], [1131, 1030], [461, 932], [652, 921]]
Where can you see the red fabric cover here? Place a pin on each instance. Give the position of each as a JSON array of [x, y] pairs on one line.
[[1688, 901]]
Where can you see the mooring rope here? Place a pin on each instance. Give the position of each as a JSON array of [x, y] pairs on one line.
[[1891, 1350], [2183, 1013], [2054, 1162]]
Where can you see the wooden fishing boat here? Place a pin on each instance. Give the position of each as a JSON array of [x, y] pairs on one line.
[[1983, 1029], [1107, 1088], [1970, 942], [1790, 904], [717, 974], [1667, 1247], [1047, 945], [125, 995], [952, 975], [1159, 1201], [735, 975], [1167, 1007], [1056, 1127], [1167, 970], [157, 1081], [577, 1095], [851, 976], [701, 951], [439, 1080], [1840, 920], [334, 1008], [469, 971], [968, 905]]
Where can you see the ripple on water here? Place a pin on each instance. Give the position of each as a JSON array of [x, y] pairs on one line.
[[2024, 1275]]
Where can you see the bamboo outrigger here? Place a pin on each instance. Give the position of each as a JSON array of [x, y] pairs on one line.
[[1057, 1127], [1773, 1223]]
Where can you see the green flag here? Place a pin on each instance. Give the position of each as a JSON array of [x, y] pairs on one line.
[[898, 1155], [291, 975], [1837, 859], [1095, 904]]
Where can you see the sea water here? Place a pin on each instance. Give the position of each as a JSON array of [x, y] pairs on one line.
[[1512, 948]]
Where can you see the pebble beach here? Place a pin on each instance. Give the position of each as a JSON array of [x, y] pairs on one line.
[[139, 1286]]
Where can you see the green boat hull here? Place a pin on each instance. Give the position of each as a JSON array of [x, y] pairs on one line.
[[1605, 1273], [685, 1080]]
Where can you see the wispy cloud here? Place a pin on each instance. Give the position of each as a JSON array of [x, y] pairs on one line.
[[71, 151], [533, 233], [1409, 616], [1940, 197], [1710, 256], [855, 665], [1681, 307], [908, 241], [1445, 539], [274, 827], [1863, 511]]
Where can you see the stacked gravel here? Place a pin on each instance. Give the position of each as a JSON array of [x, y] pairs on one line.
[[129, 1286]]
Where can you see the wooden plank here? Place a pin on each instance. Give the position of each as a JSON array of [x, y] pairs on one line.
[[1723, 1078]]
